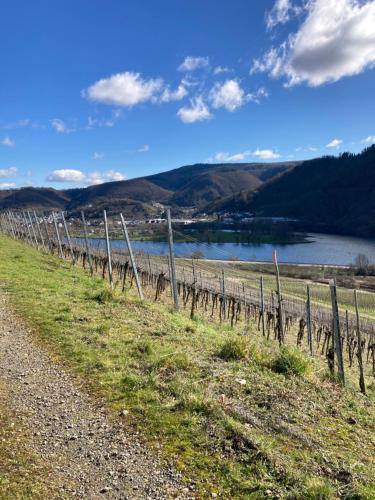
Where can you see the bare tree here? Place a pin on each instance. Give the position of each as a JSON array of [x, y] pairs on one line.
[[362, 263]]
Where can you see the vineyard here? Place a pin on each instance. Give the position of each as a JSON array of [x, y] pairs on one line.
[[334, 323]]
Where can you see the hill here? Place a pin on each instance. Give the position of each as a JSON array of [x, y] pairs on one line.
[[334, 194], [188, 186]]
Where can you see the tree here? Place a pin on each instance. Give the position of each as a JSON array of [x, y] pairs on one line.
[[362, 263]]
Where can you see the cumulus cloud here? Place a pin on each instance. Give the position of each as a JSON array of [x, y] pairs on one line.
[[169, 95], [124, 89], [7, 141], [77, 176], [266, 154], [281, 13], [7, 185], [335, 143], [337, 39], [8, 172], [227, 95], [197, 112], [66, 175], [370, 139], [192, 63], [98, 156], [144, 148]]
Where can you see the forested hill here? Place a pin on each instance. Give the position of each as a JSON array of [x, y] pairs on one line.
[[189, 186], [329, 193]]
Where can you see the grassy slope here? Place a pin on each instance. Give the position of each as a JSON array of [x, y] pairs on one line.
[[233, 427]]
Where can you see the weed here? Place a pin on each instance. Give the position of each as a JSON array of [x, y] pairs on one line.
[[103, 296], [233, 349], [290, 362]]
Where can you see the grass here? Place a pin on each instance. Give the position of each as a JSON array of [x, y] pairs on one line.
[[290, 361], [204, 396]]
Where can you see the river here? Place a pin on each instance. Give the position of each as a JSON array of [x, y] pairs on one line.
[[319, 249]]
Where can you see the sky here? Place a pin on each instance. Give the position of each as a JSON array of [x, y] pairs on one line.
[[98, 90]]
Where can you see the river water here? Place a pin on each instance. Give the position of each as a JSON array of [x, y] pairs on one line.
[[320, 249]]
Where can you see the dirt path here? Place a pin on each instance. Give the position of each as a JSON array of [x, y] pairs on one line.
[[91, 456]]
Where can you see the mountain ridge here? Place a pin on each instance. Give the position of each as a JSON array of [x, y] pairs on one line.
[[331, 193], [187, 186]]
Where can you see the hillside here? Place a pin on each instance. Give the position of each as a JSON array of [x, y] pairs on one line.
[[234, 415], [189, 186], [329, 194]]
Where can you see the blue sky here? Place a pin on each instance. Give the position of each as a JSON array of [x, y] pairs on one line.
[[93, 91]]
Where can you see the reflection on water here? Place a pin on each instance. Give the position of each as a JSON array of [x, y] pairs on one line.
[[321, 249]]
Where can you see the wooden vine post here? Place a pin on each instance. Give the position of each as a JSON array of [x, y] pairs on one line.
[[172, 260], [29, 237], [362, 384], [108, 247], [309, 323], [33, 230], [87, 243], [11, 225], [39, 231], [132, 260], [49, 242], [68, 238], [262, 311], [280, 315], [57, 235], [223, 294], [336, 332]]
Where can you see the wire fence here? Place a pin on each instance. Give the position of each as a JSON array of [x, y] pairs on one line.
[[221, 293]]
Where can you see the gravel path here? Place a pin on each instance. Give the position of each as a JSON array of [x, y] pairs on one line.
[[91, 455]]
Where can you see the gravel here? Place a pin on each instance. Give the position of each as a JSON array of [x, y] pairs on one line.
[[89, 452]]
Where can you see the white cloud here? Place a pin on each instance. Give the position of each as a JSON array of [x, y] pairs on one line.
[[7, 185], [227, 95], [221, 69], [77, 176], [192, 63], [198, 111], [7, 141], [224, 157], [60, 126], [124, 89], [337, 39], [98, 156], [281, 13], [335, 143], [173, 95], [144, 148], [258, 95], [8, 172], [370, 139], [266, 154], [66, 175], [96, 178]]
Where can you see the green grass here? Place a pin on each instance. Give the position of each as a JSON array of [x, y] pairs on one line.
[[290, 361], [204, 396]]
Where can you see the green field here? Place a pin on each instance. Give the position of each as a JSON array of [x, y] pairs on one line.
[[236, 416]]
